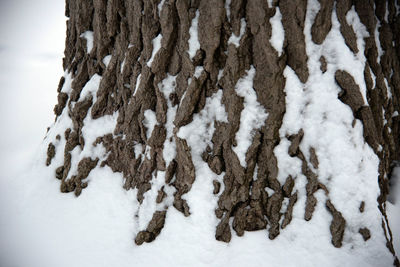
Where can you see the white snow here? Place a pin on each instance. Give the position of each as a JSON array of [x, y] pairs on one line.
[[91, 87], [167, 86], [278, 33], [228, 9], [377, 41], [88, 35], [149, 121], [388, 89], [194, 43], [347, 165], [160, 6], [137, 83], [236, 39], [40, 227], [156, 46], [67, 83], [198, 71], [199, 132], [253, 115], [106, 60], [393, 207], [123, 65]]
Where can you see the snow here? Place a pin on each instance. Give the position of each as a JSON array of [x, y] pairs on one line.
[[67, 83], [236, 39], [346, 163], [199, 132], [123, 65], [252, 117], [228, 9], [278, 33], [377, 41], [194, 43], [88, 35], [198, 71], [393, 207], [160, 6], [40, 227], [167, 86], [91, 87], [156, 46], [149, 121], [388, 89], [106, 60], [137, 84]]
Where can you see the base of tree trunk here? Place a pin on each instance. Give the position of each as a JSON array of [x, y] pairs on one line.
[[273, 106]]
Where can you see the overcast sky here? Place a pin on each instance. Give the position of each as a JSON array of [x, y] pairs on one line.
[[32, 35]]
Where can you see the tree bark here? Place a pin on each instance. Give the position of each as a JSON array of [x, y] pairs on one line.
[[144, 65]]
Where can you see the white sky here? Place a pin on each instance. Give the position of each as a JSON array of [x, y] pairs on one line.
[[31, 50]]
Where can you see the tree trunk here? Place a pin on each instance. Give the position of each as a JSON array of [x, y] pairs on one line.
[[270, 106]]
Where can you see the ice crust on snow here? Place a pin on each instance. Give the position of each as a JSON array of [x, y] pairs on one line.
[[253, 115], [88, 35], [194, 43]]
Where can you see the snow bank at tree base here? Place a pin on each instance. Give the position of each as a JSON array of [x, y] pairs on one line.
[[45, 228], [96, 229]]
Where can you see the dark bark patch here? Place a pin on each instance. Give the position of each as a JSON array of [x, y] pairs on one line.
[[51, 152], [366, 234], [153, 229], [322, 23], [337, 226], [350, 94]]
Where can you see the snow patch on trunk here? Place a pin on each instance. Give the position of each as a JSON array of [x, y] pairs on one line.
[[236, 39], [348, 167], [278, 33], [88, 35], [149, 121], [167, 86], [194, 43], [200, 198], [156, 46], [106, 60], [253, 115]]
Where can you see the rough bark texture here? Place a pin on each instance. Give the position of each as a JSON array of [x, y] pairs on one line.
[[132, 85]]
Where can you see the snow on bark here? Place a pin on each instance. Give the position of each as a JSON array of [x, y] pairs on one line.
[[252, 116], [278, 33], [287, 131], [194, 44]]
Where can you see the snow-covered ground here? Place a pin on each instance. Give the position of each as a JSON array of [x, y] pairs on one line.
[[40, 227]]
